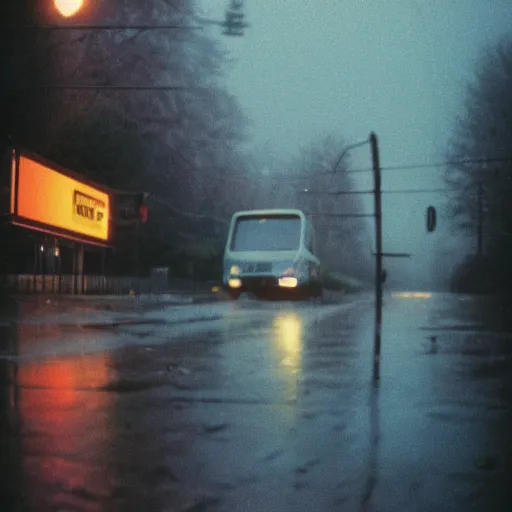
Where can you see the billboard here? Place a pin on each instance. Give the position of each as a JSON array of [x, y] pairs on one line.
[[49, 200]]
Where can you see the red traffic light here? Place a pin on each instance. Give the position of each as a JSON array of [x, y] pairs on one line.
[[143, 213]]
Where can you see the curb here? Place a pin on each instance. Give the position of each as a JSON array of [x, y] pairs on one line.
[[154, 321], [113, 324], [116, 323]]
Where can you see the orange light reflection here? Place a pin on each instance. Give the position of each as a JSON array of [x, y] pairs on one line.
[[65, 422]]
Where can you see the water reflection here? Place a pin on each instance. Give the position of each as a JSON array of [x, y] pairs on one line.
[[54, 426], [476, 388], [64, 431], [288, 345], [372, 471], [10, 450]]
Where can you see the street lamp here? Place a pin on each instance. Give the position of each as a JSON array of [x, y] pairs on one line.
[[68, 8]]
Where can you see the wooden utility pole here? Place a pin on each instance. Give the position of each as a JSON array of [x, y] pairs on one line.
[[378, 255]]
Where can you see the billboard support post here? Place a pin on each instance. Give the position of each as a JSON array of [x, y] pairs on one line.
[[75, 267], [81, 269], [137, 257], [103, 265], [36, 264], [78, 268]]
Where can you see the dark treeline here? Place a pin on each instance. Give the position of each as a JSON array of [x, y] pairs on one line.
[[188, 148], [481, 192], [183, 147]]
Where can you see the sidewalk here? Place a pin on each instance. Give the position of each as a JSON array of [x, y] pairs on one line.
[[99, 310], [44, 303], [111, 311]]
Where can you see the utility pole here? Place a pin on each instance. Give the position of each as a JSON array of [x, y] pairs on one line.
[[378, 237], [378, 256], [479, 233]]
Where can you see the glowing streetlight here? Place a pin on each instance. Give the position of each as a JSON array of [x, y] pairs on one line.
[[68, 8]]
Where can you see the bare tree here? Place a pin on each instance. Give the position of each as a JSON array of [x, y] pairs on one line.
[[314, 183], [157, 116], [483, 134]]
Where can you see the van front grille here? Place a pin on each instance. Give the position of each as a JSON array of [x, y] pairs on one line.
[[256, 267]]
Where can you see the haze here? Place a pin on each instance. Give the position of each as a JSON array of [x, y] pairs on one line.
[[398, 68]]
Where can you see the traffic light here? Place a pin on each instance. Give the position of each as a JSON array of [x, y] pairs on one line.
[[234, 24], [431, 219], [143, 207]]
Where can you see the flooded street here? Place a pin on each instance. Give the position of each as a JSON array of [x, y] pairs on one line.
[[252, 406]]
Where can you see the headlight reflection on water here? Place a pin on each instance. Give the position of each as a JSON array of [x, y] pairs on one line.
[[411, 295], [287, 344]]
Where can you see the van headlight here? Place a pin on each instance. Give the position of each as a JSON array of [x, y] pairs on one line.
[[288, 282], [235, 270]]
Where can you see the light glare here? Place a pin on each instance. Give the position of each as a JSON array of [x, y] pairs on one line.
[[235, 283], [412, 295], [288, 282], [68, 7]]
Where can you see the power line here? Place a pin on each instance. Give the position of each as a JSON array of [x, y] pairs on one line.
[[107, 88], [418, 191], [446, 164], [359, 192], [436, 165], [233, 26], [100, 27], [165, 241], [177, 234], [408, 167], [341, 215], [185, 213], [338, 192]]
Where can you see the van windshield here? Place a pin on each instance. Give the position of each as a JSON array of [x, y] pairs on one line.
[[272, 233]]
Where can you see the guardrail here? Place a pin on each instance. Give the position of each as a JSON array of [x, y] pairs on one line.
[[98, 285], [74, 284]]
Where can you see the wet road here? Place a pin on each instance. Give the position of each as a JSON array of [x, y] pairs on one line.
[[259, 407]]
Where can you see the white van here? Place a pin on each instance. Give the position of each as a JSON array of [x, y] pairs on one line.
[[270, 250]]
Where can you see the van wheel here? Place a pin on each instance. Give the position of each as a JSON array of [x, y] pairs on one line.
[[317, 292], [233, 294]]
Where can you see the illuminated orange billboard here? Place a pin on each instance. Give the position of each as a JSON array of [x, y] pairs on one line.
[[47, 197]]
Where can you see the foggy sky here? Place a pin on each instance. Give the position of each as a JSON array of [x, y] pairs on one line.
[[396, 67]]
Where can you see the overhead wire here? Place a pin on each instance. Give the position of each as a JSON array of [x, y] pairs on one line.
[[184, 213], [341, 215], [362, 192], [405, 167], [434, 165], [197, 216]]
